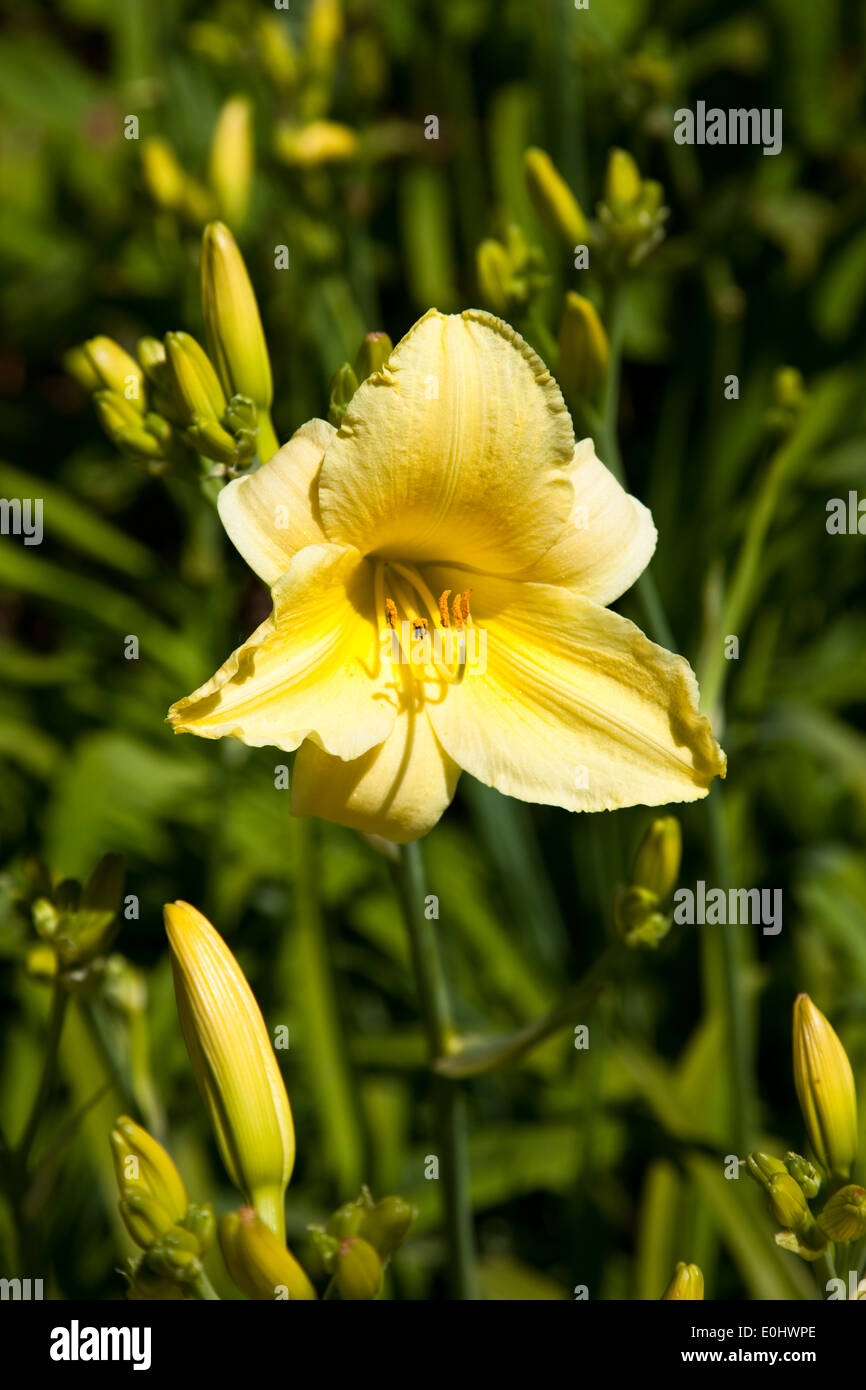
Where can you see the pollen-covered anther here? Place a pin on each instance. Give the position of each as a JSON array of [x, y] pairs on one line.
[[457, 612], [443, 608], [391, 610], [419, 625]]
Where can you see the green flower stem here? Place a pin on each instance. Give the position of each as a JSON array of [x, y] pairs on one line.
[[722, 952], [205, 1289], [57, 1015], [726, 949], [477, 1058], [449, 1097], [824, 1269]]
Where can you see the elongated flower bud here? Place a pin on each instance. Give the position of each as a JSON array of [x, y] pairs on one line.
[[258, 1262], [583, 348], [163, 175], [553, 200], [687, 1283], [231, 159], [657, 862], [233, 326], [844, 1214], [622, 182], [825, 1089], [234, 1063]]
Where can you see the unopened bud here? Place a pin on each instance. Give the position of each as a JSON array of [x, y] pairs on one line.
[[844, 1214], [231, 159], [553, 200], [359, 1270], [372, 355], [258, 1261], [825, 1089], [687, 1284], [583, 347]]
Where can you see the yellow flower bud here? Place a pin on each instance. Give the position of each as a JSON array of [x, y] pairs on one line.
[[844, 1214], [320, 142], [235, 337], [258, 1262], [163, 176], [146, 1219], [77, 363], [493, 267], [143, 1168], [583, 347], [622, 182], [825, 1089], [231, 159], [234, 1062], [553, 200], [764, 1167], [358, 1275], [687, 1283], [787, 1202], [117, 371], [197, 383], [657, 863]]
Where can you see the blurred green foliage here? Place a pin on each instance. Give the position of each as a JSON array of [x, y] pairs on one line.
[[601, 1167]]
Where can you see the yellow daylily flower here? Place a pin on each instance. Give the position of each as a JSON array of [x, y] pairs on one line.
[[455, 509]]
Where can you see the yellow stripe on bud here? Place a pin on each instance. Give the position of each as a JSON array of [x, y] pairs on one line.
[[687, 1284], [825, 1089], [234, 1063], [258, 1262]]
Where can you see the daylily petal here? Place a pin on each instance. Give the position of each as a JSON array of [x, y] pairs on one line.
[[456, 450], [608, 540], [311, 670], [398, 790], [273, 513], [576, 707]]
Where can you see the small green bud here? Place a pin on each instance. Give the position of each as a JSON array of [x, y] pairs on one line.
[[844, 1214], [805, 1173], [657, 863], [787, 1202], [764, 1167], [386, 1225], [493, 268], [347, 1220], [372, 355], [359, 1270], [637, 917], [583, 347], [258, 1261], [344, 384]]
